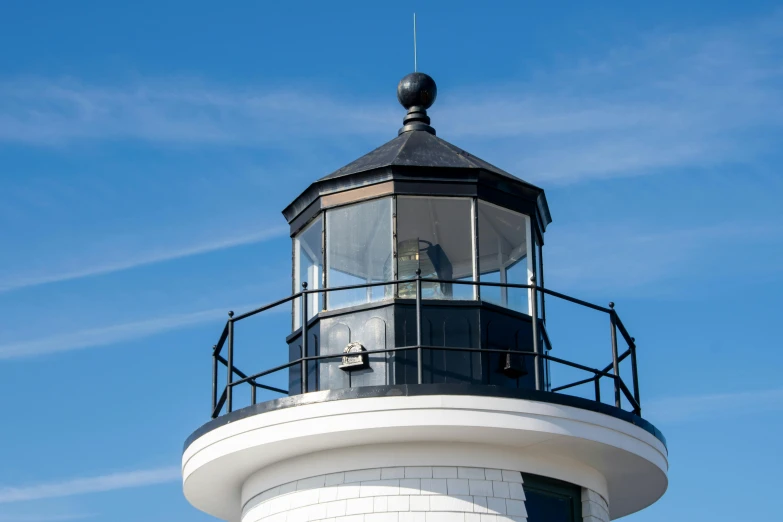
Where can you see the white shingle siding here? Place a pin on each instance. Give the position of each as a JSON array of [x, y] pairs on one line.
[[594, 507], [409, 494]]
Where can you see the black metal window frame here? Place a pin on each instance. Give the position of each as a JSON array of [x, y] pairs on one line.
[[534, 247], [558, 488]]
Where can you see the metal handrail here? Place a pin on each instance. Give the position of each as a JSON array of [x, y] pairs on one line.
[[611, 371]]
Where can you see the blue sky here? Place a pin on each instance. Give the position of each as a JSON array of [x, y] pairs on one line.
[[147, 149]]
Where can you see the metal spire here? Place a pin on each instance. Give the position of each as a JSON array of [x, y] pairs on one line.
[[415, 63]]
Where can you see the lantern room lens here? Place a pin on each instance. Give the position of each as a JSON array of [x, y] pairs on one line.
[[435, 235]]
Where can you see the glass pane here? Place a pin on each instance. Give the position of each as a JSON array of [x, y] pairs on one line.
[[491, 294], [503, 256], [546, 506], [308, 266], [359, 251], [540, 278], [518, 297], [435, 234]]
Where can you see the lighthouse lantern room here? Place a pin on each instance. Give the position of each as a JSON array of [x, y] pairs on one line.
[[420, 381]]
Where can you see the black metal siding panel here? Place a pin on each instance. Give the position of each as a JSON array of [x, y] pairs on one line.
[[338, 335], [378, 326]]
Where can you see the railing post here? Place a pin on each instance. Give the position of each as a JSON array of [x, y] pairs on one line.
[[597, 388], [214, 379], [230, 363], [635, 377], [419, 369], [304, 337], [536, 348], [615, 357], [252, 392]]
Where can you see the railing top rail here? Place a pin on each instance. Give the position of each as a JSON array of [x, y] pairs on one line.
[[539, 330], [428, 280], [266, 307]]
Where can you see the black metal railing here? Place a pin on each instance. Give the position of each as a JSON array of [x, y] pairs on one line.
[[611, 371]]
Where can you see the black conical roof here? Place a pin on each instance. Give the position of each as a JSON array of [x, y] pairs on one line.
[[418, 149], [418, 162]]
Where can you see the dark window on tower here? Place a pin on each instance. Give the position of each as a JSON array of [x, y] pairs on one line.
[[549, 500]]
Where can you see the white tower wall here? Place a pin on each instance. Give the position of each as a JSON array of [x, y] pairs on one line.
[[405, 494]]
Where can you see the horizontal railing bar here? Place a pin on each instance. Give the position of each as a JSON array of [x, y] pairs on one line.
[[573, 384], [222, 399], [312, 291], [354, 287], [270, 388], [522, 287], [473, 283], [424, 279], [267, 307], [365, 352], [524, 353], [266, 372], [406, 348], [451, 281], [573, 300]]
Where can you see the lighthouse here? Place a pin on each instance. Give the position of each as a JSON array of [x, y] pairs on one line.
[[420, 382]]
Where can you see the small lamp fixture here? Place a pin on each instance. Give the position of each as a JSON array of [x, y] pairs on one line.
[[513, 366]]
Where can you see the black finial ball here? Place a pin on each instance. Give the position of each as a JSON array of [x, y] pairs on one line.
[[417, 90]]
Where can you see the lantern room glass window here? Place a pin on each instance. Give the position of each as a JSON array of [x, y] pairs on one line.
[[359, 251], [504, 243], [435, 235], [308, 267], [540, 279]]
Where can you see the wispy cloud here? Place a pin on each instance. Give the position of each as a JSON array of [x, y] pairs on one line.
[[112, 334], [618, 258], [674, 100], [40, 111], [671, 100], [106, 335], [137, 258], [81, 486], [678, 409]]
